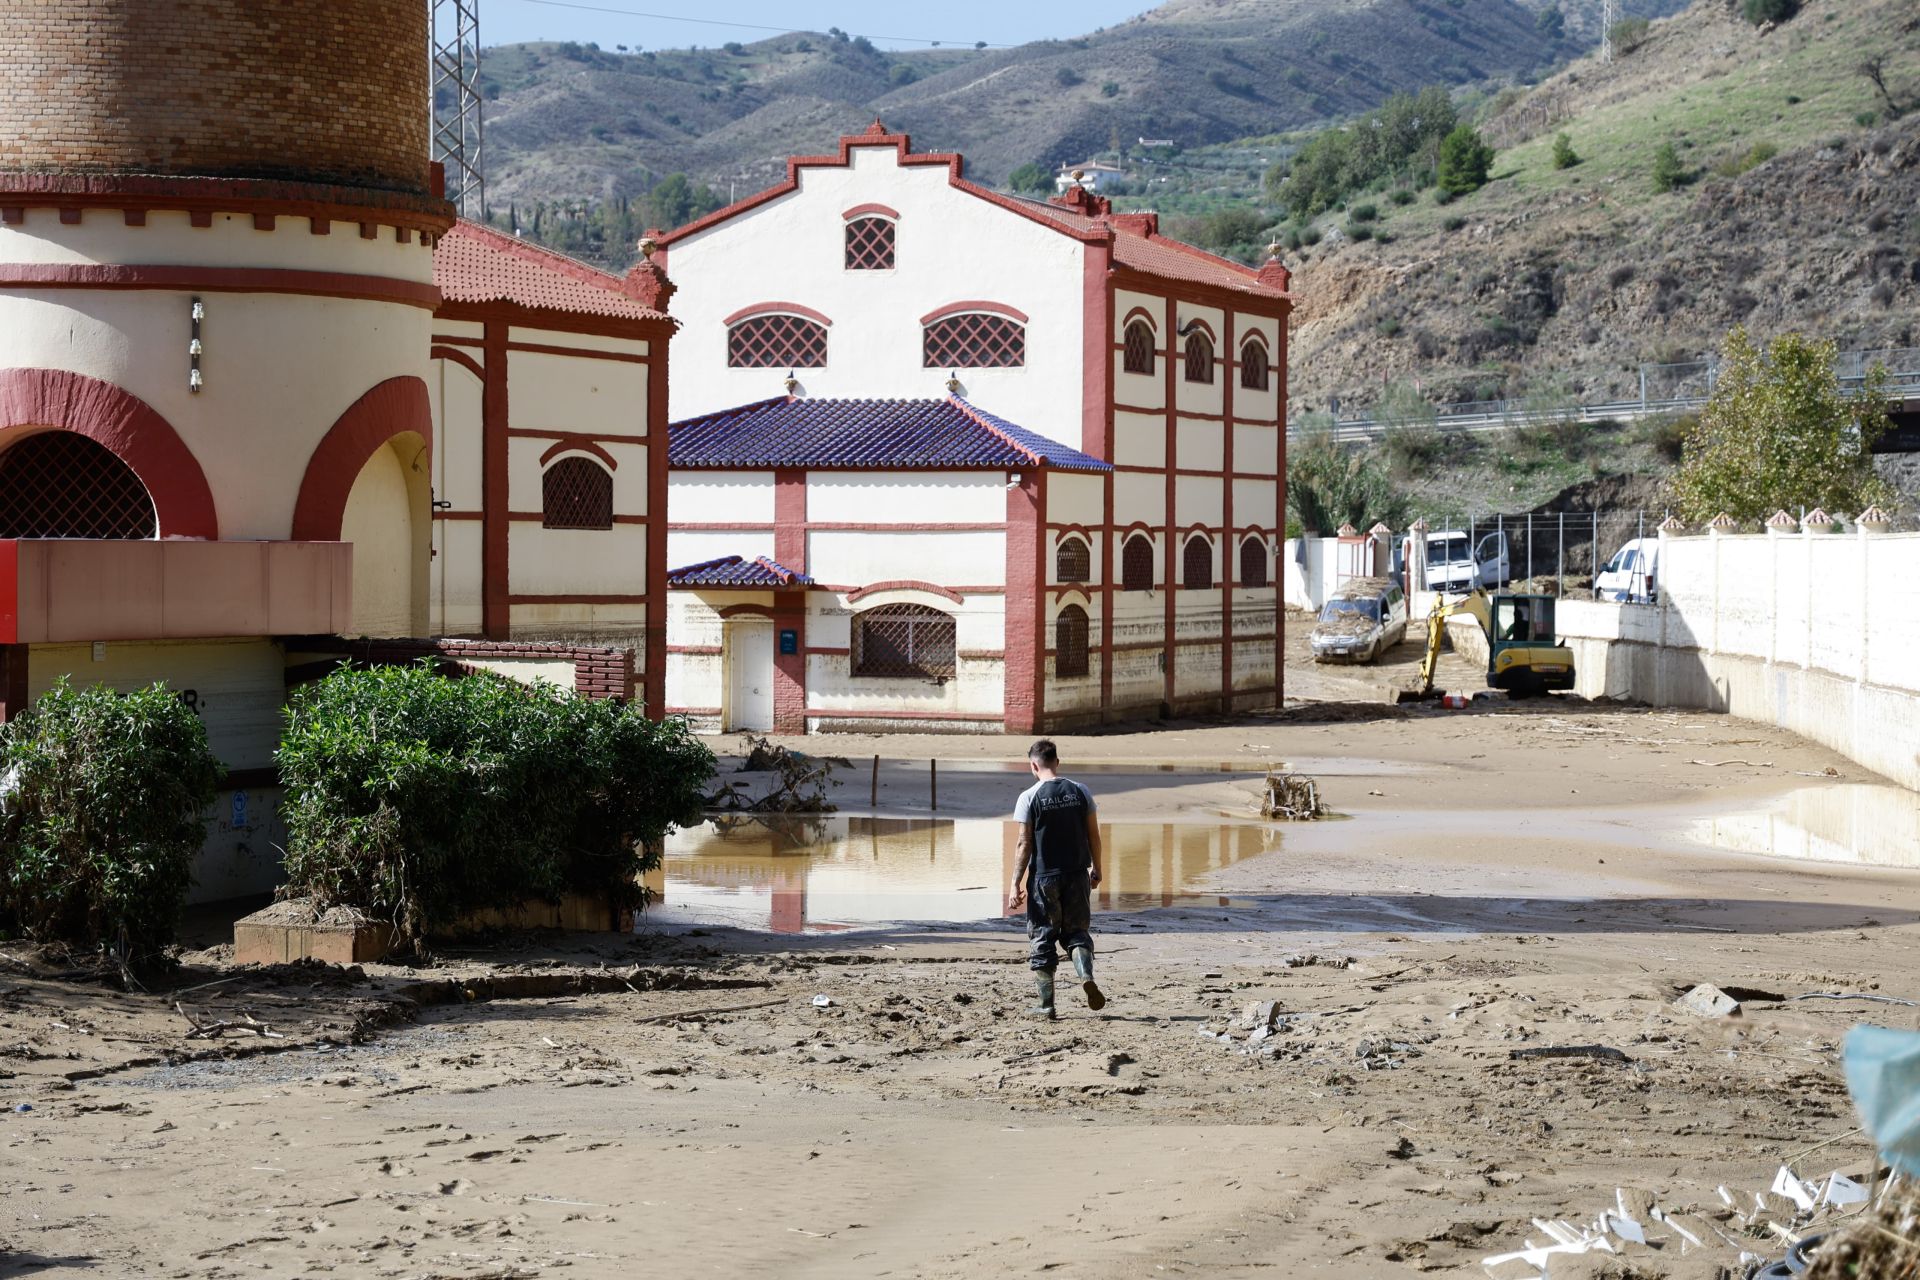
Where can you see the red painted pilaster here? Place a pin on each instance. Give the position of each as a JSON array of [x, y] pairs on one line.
[[1026, 603], [1096, 354], [1229, 547], [790, 607], [1109, 586], [496, 612], [1172, 557], [655, 677], [1280, 528]]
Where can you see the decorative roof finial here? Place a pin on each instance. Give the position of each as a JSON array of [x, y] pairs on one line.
[[648, 245], [953, 383], [792, 383], [877, 129], [647, 279]]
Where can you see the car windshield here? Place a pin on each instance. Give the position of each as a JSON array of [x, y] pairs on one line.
[[1447, 550], [1337, 609]]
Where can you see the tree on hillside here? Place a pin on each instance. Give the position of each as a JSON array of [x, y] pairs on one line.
[[1464, 161], [1328, 486], [1030, 178], [1779, 434], [1760, 11], [676, 200], [1564, 156], [1552, 23], [1401, 139], [1668, 172]]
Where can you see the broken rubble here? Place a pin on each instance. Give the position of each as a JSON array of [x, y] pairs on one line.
[[1708, 1001]]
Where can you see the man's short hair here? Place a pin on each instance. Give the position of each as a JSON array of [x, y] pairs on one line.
[[1044, 752]]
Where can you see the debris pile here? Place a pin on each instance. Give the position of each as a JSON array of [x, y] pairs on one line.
[[1293, 796], [800, 782], [1740, 1236]]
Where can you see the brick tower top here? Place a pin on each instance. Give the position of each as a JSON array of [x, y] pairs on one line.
[[323, 91]]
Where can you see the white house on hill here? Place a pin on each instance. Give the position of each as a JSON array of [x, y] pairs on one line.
[[948, 458]]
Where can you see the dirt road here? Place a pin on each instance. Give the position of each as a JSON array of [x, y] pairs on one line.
[[1498, 879]]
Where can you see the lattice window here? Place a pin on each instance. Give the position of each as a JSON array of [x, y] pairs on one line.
[[1253, 563], [1253, 367], [1070, 642], [1136, 564], [1140, 349], [1199, 358], [1196, 567], [58, 484], [976, 341], [904, 640], [777, 342], [870, 244], [576, 493], [1074, 561]]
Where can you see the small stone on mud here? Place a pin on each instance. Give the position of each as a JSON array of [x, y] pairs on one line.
[[1708, 1001]]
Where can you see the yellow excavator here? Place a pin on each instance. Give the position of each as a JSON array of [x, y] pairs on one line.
[[1522, 656]]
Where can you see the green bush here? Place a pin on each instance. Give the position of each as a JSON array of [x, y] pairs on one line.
[[1741, 161], [1464, 161], [417, 799], [1364, 213], [1357, 231], [105, 813], [1668, 172], [1759, 11], [1402, 196], [1627, 35], [1564, 156], [1452, 222]]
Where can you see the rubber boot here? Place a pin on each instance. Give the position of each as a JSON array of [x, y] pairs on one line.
[[1083, 969], [1043, 978]]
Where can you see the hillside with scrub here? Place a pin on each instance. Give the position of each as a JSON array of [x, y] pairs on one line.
[[1715, 172]]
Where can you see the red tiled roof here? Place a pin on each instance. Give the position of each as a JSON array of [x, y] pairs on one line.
[[473, 263], [1155, 254]]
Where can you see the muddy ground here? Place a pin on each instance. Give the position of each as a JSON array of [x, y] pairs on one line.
[[1499, 879]]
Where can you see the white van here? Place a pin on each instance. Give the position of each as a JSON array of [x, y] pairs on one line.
[[1456, 565], [1633, 575]]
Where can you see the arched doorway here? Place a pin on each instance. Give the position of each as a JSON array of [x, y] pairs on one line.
[[386, 521]]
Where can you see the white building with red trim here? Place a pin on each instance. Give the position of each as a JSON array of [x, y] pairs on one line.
[[1141, 581]]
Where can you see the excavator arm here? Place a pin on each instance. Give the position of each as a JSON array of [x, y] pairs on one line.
[[1474, 603]]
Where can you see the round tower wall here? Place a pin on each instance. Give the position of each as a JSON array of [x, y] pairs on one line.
[[331, 92]]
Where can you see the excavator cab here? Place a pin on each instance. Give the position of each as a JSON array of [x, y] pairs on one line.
[[1523, 653], [1523, 656]]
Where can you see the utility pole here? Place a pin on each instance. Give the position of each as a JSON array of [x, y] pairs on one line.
[[1609, 17], [454, 101]]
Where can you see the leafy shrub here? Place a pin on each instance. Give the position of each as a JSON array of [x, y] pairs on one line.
[[1388, 326], [1030, 178], [1364, 213], [1359, 231], [416, 798], [1866, 119], [1402, 196], [1759, 11], [107, 812], [1620, 276], [1110, 89], [1627, 35], [1667, 434], [902, 73], [1741, 161], [1398, 140], [1564, 156], [1067, 77], [1452, 222]]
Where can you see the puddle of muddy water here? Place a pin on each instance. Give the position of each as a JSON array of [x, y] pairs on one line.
[[799, 875], [1858, 823]]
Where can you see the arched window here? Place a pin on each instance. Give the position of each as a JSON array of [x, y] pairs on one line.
[[576, 493], [1196, 567], [1070, 642], [1073, 562], [1140, 348], [60, 484], [975, 340], [903, 640], [1136, 564], [1253, 366], [1199, 357], [1253, 562], [777, 342], [870, 244]]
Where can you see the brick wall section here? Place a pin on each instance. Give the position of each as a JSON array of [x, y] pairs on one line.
[[326, 92], [597, 672]]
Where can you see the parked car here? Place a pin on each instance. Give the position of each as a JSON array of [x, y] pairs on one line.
[[1361, 620], [1457, 564], [1633, 575]]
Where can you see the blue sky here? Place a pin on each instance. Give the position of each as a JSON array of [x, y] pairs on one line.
[[903, 25]]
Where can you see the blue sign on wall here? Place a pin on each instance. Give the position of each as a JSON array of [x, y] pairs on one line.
[[789, 640]]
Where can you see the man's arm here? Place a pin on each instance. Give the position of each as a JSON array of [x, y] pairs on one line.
[[1093, 846], [1022, 855]]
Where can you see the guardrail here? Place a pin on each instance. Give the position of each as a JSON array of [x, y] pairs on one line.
[[1902, 384]]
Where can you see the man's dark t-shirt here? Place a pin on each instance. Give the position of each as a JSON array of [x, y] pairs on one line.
[[1057, 811]]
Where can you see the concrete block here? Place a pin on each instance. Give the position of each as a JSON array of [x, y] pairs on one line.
[[290, 931]]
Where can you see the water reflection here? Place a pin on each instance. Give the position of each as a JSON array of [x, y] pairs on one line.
[[797, 875], [1850, 822]]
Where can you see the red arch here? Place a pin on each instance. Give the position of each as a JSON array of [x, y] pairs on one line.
[[392, 408], [580, 444], [974, 306], [775, 308], [126, 424]]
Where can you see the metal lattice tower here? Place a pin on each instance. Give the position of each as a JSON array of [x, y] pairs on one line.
[[1609, 16], [455, 102]]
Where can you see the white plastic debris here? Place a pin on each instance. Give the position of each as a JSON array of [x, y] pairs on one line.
[[1841, 1189], [823, 1002], [1625, 1228], [1786, 1184]]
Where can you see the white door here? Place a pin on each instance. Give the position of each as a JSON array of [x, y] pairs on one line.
[[750, 674]]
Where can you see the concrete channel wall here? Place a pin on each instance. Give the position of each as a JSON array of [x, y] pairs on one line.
[[1816, 633]]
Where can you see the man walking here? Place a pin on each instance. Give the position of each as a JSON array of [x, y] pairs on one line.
[[1056, 867]]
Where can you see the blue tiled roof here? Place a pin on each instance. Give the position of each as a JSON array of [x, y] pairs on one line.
[[787, 432], [737, 571]]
